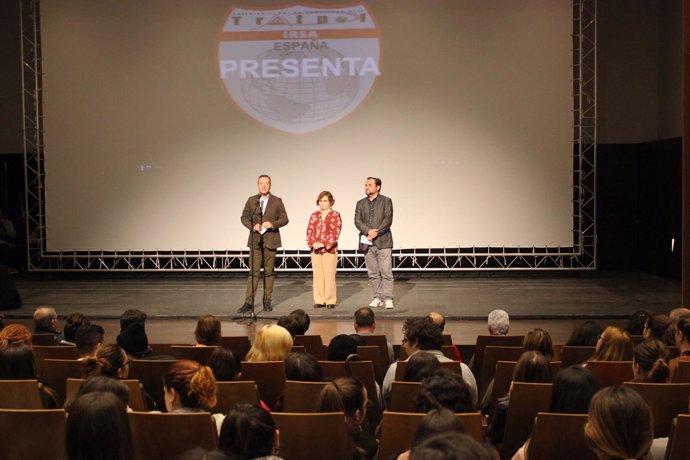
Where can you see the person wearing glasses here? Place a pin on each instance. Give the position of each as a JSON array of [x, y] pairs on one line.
[[323, 231]]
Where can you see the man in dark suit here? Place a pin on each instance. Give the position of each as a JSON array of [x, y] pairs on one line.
[[263, 215], [373, 219]]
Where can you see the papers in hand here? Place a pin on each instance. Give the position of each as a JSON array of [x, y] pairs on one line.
[[263, 230], [363, 239]]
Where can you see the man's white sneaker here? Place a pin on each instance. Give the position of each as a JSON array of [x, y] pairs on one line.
[[389, 304], [375, 303]]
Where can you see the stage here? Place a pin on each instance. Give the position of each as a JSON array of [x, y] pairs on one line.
[[525, 296]]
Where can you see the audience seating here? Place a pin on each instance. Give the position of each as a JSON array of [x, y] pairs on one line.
[[466, 352], [447, 340], [229, 394], [380, 341], [373, 353], [492, 355], [270, 380], [198, 354], [334, 369], [666, 401], [404, 396], [45, 340], [312, 343], [298, 349], [150, 374], [136, 398], [504, 377], [157, 436], [57, 371], [302, 396], [164, 349], [453, 366], [311, 436], [526, 400], [679, 441], [20, 394], [449, 351], [33, 434], [496, 341], [682, 374], [560, 436], [239, 344], [43, 352], [398, 429], [611, 372], [575, 355]]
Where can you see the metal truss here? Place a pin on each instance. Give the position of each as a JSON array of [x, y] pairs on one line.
[[580, 256]]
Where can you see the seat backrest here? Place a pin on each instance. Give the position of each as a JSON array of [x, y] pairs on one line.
[[447, 340], [311, 436], [20, 394], [136, 398], [198, 354], [575, 355], [682, 374], [492, 355], [43, 352], [380, 341], [150, 373], [493, 340], [230, 394], [449, 351], [611, 372], [560, 436], [364, 371], [270, 380], [502, 380], [334, 369], [240, 344], [453, 366], [312, 343], [679, 441], [302, 396], [398, 429], [45, 339], [24, 428], [404, 396], [526, 400], [298, 349], [162, 348], [57, 371], [665, 400], [373, 353], [157, 436]]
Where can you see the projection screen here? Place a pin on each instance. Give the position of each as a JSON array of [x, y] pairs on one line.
[[160, 115]]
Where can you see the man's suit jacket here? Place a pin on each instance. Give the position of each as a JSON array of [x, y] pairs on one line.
[[275, 214], [383, 219]]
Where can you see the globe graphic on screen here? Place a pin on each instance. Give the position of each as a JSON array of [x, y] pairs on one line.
[[301, 99]]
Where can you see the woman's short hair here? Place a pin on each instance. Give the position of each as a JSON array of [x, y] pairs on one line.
[[619, 424], [420, 366], [272, 343], [539, 340], [652, 357], [194, 383], [637, 322], [572, 391], [248, 431], [108, 361], [340, 347], [328, 194], [97, 427], [17, 362], [658, 326], [207, 330], [445, 389], [533, 367], [498, 322], [15, 333], [225, 364], [303, 367], [616, 345]]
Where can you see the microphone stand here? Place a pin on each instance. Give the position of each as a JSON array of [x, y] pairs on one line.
[[252, 238]]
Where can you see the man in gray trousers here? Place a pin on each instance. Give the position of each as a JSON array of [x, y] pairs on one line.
[[373, 219]]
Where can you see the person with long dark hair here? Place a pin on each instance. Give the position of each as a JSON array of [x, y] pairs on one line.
[[249, 432]]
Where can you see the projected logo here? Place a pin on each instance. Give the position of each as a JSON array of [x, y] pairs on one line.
[[302, 67]]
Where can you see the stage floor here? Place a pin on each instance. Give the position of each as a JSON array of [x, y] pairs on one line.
[[524, 296], [555, 302]]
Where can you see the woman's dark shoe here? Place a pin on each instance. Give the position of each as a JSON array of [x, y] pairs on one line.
[[319, 305], [330, 305]]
